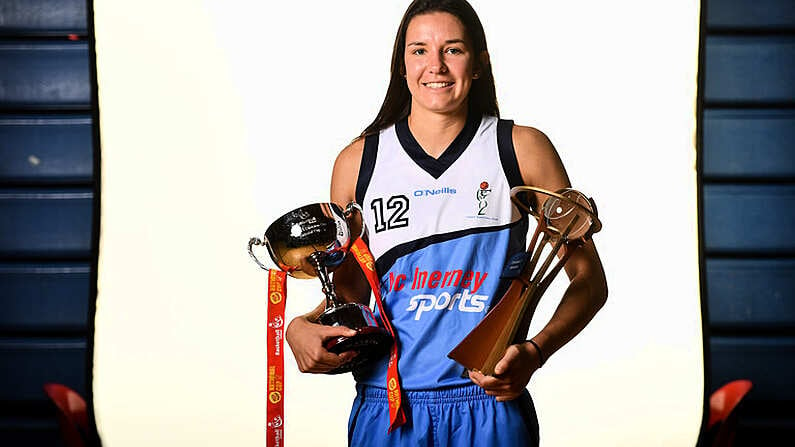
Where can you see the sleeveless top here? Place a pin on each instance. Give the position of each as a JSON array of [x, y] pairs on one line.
[[441, 231]]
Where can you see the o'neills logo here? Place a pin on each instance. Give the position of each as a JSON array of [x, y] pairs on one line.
[[480, 195], [433, 192], [275, 397], [276, 297]]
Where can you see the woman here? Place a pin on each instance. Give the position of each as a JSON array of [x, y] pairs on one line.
[[433, 174]]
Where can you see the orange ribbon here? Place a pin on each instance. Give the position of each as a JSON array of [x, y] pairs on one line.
[[397, 416], [277, 295]]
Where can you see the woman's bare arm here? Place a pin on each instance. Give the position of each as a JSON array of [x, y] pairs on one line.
[[541, 167], [349, 281]]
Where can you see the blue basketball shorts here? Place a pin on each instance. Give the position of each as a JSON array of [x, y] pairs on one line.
[[459, 416]]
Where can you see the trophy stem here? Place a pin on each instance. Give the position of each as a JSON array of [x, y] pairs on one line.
[[316, 259], [528, 297]]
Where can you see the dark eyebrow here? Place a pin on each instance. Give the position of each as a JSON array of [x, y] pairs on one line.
[[447, 42]]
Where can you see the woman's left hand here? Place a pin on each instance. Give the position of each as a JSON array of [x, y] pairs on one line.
[[511, 374]]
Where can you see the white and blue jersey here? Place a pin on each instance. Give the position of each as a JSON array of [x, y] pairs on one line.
[[441, 231]]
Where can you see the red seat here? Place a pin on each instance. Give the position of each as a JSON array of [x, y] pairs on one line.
[[71, 413], [722, 402]]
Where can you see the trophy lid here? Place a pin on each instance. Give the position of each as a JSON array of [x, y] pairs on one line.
[[574, 213], [567, 213]]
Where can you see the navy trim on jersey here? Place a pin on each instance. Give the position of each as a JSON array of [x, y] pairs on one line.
[[508, 153], [384, 263], [436, 166], [366, 166]]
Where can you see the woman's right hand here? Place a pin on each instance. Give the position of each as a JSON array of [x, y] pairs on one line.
[[306, 340]]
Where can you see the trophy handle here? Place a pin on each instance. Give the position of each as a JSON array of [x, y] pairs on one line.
[[257, 241], [349, 213]]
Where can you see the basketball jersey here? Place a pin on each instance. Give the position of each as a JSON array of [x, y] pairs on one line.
[[441, 231]]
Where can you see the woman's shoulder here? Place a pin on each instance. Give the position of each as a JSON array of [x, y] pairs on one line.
[[352, 153], [529, 137], [346, 172], [538, 159]]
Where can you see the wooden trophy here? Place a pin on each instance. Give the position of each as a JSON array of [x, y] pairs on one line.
[[566, 220]]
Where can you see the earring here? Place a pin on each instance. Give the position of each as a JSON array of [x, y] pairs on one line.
[[476, 76]]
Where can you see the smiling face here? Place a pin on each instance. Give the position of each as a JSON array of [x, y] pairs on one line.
[[439, 63]]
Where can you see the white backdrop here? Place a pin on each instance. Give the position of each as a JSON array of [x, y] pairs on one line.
[[219, 116]]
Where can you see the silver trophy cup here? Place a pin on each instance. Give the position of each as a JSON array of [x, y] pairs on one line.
[[312, 241]]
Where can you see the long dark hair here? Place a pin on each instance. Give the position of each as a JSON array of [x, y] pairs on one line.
[[482, 94]]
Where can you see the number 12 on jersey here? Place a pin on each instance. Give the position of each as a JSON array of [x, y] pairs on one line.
[[396, 208]]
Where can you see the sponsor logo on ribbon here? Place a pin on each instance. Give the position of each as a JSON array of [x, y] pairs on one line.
[[366, 258], [275, 397], [276, 422], [277, 322]]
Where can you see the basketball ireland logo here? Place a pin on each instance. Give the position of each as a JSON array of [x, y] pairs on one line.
[[276, 422], [480, 195]]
